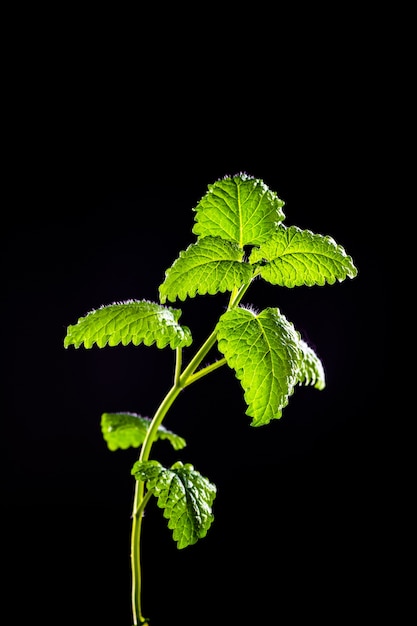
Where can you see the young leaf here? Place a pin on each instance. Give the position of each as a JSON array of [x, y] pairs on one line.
[[184, 494], [297, 257], [128, 430], [311, 368], [208, 266], [240, 208], [133, 321], [264, 350]]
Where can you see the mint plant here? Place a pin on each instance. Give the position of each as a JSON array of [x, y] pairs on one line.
[[240, 237]]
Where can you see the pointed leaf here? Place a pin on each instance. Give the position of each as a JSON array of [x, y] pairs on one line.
[[134, 321], [240, 209], [128, 430], [264, 351], [184, 494], [208, 266], [295, 257], [311, 368]]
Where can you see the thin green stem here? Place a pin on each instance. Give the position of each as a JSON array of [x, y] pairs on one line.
[[237, 295], [204, 371], [139, 511], [178, 364], [181, 380], [140, 501], [199, 356], [157, 420], [135, 551]]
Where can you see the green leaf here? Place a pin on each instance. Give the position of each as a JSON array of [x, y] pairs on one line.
[[311, 368], [128, 430], [134, 321], [264, 350], [294, 257], [241, 209], [208, 266], [184, 494]]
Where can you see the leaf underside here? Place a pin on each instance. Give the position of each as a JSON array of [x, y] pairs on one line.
[[133, 321], [128, 430], [311, 368], [185, 495]]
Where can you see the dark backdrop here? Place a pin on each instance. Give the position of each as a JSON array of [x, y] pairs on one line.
[[104, 172]]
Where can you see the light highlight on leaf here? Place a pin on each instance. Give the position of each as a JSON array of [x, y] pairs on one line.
[[128, 430], [185, 495], [240, 208], [134, 321], [264, 351], [295, 257], [210, 265], [311, 368]]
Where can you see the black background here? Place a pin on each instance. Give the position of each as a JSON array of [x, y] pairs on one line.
[[106, 161]]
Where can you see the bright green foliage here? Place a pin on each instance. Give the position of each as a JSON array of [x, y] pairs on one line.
[[295, 257], [134, 321], [264, 350], [208, 266], [128, 430], [311, 368], [240, 238], [241, 209], [184, 494]]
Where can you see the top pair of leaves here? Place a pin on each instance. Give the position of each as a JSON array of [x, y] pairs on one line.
[[240, 235]]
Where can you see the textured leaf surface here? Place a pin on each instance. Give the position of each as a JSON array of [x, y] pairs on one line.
[[208, 266], [128, 430], [297, 257], [134, 321], [240, 208], [264, 351], [185, 495], [311, 368]]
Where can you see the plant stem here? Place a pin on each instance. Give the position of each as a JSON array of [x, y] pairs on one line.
[[187, 377], [135, 552], [140, 500], [199, 356], [139, 503], [178, 365], [204, 371]]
